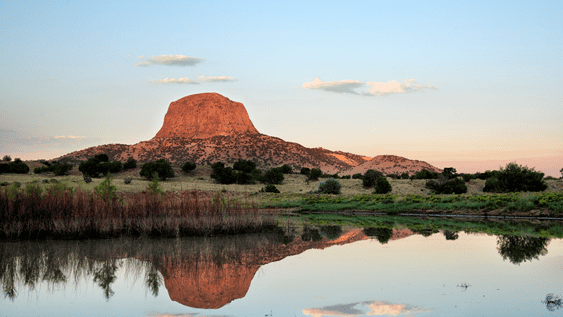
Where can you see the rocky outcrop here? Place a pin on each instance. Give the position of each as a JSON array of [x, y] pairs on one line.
[[392, 164], [204, 116]]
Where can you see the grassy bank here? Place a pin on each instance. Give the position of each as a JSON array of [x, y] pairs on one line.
[[516, 204], [62, 212]]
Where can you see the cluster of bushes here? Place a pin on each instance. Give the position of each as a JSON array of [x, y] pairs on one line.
[[515, 178], [447, 183], [15, 167], [425, 174], [312, 174], [161, 169], [245, 172], [397, 176], [55, 167], [100, 164]]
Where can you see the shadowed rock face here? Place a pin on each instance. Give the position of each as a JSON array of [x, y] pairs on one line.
[[205, 115]]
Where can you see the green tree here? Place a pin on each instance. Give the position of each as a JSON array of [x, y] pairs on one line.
[[18, 167], [329, 186], [188, 167], [162, 167], [314, 174], [106, 190], [7, 158], [244, 166], [273, 176], [518, 249], [130, 164], [516, 178], [370, 177], [382, 186]]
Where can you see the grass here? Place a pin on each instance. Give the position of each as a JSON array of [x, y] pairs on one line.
[[33, 212]]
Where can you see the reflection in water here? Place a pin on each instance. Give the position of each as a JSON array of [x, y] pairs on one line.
[[553, 302], [450, 235], [375, 308], [383, 235], [518, 249], [105, 276]]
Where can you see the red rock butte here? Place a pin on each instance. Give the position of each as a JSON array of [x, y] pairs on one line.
[[204, 116]]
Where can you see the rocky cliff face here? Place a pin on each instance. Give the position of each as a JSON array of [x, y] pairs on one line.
[[204, 116]]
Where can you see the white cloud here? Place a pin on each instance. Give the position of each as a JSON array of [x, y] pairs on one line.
[[170, 60], [68, 137], [219, 78], [377, 88], [174, 81], [342, 86]]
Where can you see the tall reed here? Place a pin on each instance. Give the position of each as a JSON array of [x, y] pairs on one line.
[[65, 213]]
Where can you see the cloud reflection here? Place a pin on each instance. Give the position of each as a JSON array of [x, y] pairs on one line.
[[365, 308]]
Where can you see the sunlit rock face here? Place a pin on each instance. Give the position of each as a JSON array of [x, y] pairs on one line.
[[205, 115]]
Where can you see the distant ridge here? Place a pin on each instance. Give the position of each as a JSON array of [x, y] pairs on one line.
[[207, 128]]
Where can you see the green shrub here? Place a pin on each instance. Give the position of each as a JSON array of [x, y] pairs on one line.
[[286, 169], [329, 186], [382, 186], [90, 168], [256, 175], [7, 158], [18, 167], [87, 179], [61, 169], [305, 171], [130, 164], [222, 174], [162, 168], [127, 180], [405, 175], [370, 177], [154, 187], [244, 166], [453, 186], [106, 190], [188, 167], [270, 188], [273, 176], [102, 157], [4, 168], [357, 176], [314, 174], [516, 178], [425, 174]]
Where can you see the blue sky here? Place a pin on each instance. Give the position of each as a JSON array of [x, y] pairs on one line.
[[443, 82]]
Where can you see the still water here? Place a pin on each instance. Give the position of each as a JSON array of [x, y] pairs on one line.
[[301, 271]]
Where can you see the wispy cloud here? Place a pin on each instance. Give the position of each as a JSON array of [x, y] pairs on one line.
[[217, 79], [362, 308], [170, 60], [68, 137], [174, 81], [375, 88]]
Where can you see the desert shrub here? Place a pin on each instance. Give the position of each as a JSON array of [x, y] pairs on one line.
[[243, 178], [61, 169], [188, 167], [106, 190], [286, 169], [549, 178], [329, 186], [90, 168], [443, 186], [154, 187], [4, 168], [7, 158], [467, 177], [370, 177], [382, 186], [102, 157], [449, 172], [346, 177], [130, 164], [127, 180], [110, 167], [405, 176], [273, 176], [305, 171], [244, 166], [222, 174], [314, 174], [256, 174], [87, 179], [18, 167], [357, 176], [516, 178], [270, 188], [425, 174], [41, 169], [162, 167]]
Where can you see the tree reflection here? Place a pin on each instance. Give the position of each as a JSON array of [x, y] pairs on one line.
[[383, 235], [105, 276], [310, 233], [450, 235], [518, 249], [153, 280], [553, 302], [331, 232]]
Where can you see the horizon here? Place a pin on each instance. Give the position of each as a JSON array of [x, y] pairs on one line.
[[472, 86]]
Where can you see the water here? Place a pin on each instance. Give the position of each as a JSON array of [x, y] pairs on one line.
[[339, 271]]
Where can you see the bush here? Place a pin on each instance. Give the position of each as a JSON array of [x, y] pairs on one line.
[[154, 187], [256, 175], [90, 168], [127, 180], [87, 179], [130, 164], [162, 168], [382, 186], [273, 176], [60, 169], [270, 188], [370, 177], [4, 168], [346, 177], [305, 171], [516, 178], [7, 158], [188, 167], [425, 174], [329, 186], [102, 157], [357, 176], [244, 166], [286, 169], [453, 186], [18, 167], [106, 190], [405, 176], [314, 174], [222, 174]]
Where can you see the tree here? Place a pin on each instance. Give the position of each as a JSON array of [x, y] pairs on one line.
[[102, 157], [18, 167], [370, 177], [7, 158], [444, 186], [382, 186], [162, 167], [273, 176], [188, 167], [314, 174], [90, 168], [286, 169], [244, 166], [130, 164], [425, 174], [449, 172], [305, 170], [518, 249], [222, 174], [516, 178], [329, 186]]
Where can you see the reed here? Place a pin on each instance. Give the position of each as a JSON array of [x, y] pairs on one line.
[[60, 212]]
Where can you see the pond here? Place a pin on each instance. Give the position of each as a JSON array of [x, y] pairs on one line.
[[300, 270]]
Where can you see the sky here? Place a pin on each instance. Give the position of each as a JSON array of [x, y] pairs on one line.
[[472, 85]]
